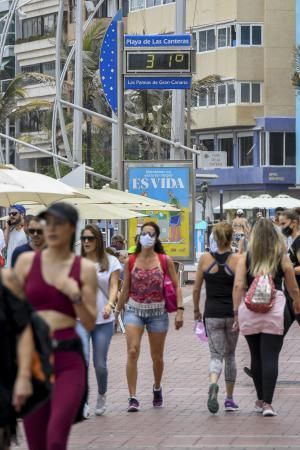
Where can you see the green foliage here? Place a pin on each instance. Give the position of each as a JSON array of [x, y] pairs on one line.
[[296, 74]]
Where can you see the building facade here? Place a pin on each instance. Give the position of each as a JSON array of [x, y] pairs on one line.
[[250, 114], [7, 73]]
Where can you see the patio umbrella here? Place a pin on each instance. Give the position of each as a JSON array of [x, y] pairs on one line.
[[283, 200], [91, 211], [121, 199], [241, 202], [20, 186]]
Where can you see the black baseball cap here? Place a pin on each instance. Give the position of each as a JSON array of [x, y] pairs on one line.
[[63, 211]]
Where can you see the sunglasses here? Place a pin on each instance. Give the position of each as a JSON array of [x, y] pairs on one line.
[[144, 233], [87, 238], [13, 213], [35, 231]]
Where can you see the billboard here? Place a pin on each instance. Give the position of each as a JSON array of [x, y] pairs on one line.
[[170, 182]]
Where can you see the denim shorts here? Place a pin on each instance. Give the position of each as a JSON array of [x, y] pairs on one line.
[[154, 324]]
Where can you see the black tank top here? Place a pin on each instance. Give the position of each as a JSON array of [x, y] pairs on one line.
[[277, 278], [219, 287]]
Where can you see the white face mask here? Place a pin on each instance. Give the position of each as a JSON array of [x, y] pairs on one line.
[[147, 241]]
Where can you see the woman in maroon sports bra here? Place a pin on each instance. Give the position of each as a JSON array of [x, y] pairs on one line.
[[61, 287]]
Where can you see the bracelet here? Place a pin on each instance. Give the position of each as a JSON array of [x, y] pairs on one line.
[[180, 307]]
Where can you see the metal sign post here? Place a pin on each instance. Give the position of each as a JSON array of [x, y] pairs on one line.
[[120, 88]]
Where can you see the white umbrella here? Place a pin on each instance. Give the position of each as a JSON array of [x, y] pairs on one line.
[[241, 202], [91, 211], [122, 199], [20, 186], [283, 200]]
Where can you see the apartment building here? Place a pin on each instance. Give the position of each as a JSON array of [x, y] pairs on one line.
[[7, 71], [35, 52], [250, 115]]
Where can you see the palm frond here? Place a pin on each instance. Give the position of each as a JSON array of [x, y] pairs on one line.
[[296, 74], [200, 86]]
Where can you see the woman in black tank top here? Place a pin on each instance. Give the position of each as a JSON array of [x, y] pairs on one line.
[[217, 270]]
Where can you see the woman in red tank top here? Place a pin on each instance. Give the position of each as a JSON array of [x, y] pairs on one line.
[[143, 291], [61, 287]]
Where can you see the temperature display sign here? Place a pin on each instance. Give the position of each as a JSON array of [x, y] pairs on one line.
[[166, 61]]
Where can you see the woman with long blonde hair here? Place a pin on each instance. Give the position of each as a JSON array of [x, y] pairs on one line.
[[264, 332]]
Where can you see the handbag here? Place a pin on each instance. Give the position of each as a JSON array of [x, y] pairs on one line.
[[168, 286]]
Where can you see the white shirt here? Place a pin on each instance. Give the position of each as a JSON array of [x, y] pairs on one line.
[[103, 288], [15, 239], [2, 241]]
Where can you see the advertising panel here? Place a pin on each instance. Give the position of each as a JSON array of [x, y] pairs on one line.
[[170, 182]]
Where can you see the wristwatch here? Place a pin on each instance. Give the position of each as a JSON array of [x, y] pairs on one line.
[[76, 299]]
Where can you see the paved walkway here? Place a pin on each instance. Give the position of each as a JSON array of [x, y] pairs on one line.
[[184, 422]]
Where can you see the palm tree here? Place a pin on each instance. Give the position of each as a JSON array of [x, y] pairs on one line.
[[15, 92], [296, 75], [10, 110], [151, 111]]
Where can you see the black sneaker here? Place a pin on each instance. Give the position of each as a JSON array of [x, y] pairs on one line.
[[133, 405], [212, 402], [158, 401]]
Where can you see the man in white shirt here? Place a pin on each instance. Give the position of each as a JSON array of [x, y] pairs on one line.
[[14, 234]]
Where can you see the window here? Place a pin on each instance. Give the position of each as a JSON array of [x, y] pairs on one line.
[[211, 96], [137, 4], [255, 92], [227, 36], [245, 92], [222, 94], [276, 151], [102, 11], [231, 93], [250, 92], [226, 145], [251, 34], [39, 26], [194, 101], [150, 3], [263, 153], [222, 39], [245, 151], [207, 145], [203, 98], [48, 68], [72, 10], [245, 35], [33, 121], [290, 149], [282, 149], [207, 40]]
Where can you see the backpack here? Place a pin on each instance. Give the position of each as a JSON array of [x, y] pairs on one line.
[[168, 286], [260, 296]]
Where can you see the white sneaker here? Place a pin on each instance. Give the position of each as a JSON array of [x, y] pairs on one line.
[[101, 405], [268, 411], [86, 411]]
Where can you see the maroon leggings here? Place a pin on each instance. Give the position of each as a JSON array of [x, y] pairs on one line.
[[48, 428]]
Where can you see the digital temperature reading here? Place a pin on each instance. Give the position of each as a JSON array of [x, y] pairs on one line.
[[167, 61]]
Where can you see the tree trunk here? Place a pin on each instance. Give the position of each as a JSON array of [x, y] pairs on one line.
[[89, 145]]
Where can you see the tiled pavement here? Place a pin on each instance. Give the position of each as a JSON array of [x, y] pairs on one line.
[[184, 422]]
